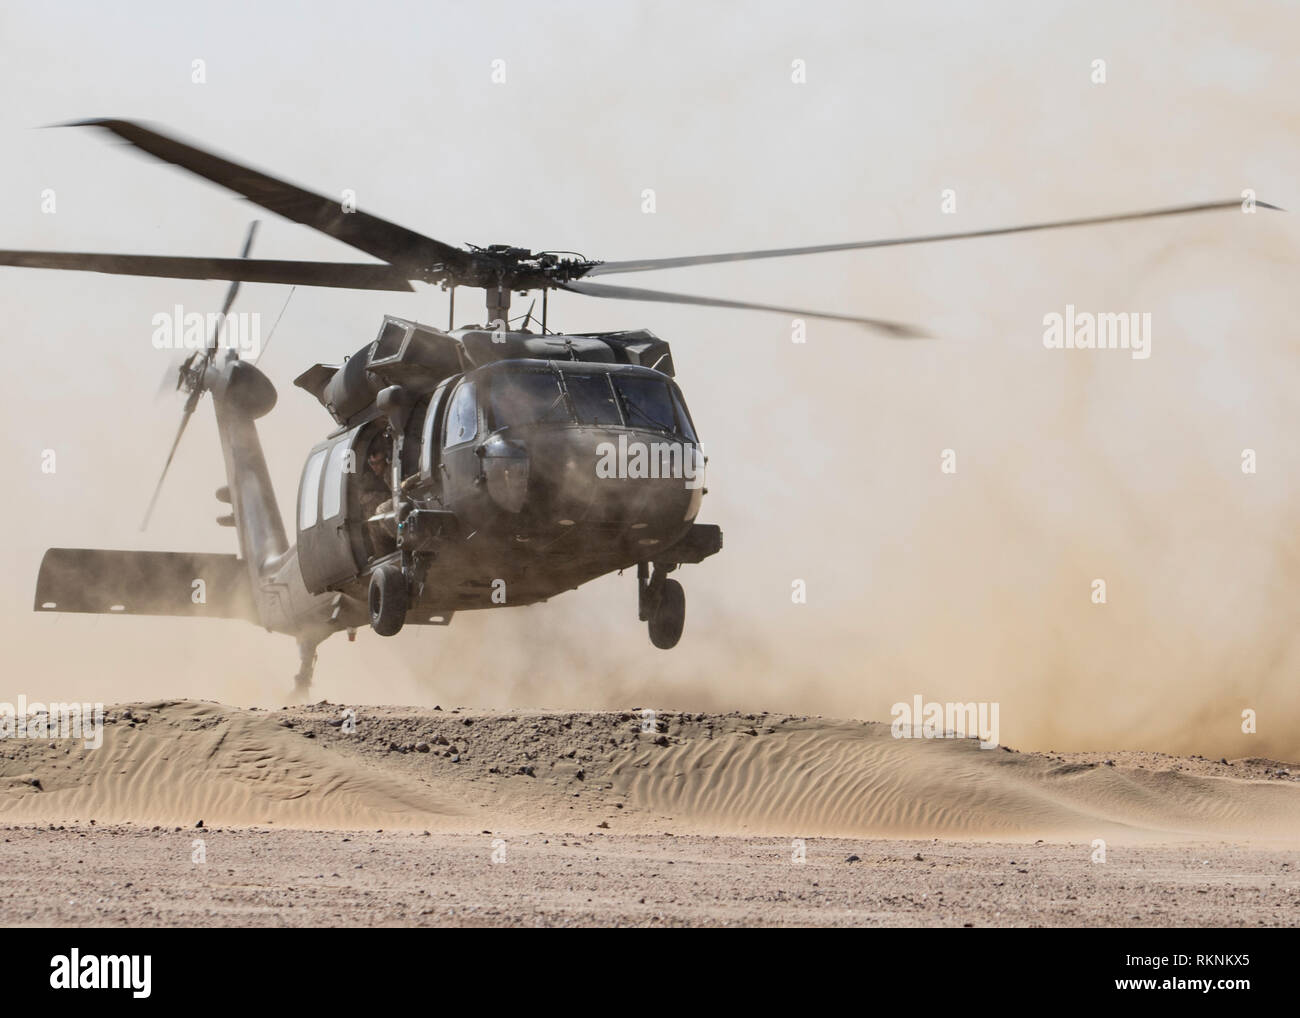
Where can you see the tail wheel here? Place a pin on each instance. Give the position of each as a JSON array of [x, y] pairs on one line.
[[669, 615], [387, 600]]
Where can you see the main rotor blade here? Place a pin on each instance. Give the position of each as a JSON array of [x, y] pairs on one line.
[[895, 329], [647, 264], [357, 276], [186, 414], [365, 232], [234, 285]]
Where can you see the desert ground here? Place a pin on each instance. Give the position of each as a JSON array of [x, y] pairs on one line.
[[199, 814]]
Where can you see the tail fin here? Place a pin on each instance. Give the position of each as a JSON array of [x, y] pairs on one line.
[[242, 394], [283, 604]]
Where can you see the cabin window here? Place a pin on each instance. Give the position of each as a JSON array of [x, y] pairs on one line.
[[462, 416], [341, 457], [309, 493]]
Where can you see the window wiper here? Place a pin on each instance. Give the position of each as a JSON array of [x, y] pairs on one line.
[[564, 395], [559, 398]]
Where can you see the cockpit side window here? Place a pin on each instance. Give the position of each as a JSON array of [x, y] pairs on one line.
[[462, 416], [684, 425], [647, 402]]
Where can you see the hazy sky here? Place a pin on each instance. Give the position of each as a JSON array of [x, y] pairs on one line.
[[824, 457]]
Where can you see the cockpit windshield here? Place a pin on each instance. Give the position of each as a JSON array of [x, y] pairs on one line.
[[527, 397], [647, 401], [592, 399], [552, 395]]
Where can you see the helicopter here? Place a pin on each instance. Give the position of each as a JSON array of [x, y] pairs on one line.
[[467, 468]]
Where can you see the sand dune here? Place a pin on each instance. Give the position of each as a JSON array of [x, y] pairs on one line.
[[462, 770], [845, 778], [183, 762]]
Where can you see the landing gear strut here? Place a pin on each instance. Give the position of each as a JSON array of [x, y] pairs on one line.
[[661, 602]]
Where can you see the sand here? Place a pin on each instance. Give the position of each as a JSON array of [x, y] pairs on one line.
[[700, 820]]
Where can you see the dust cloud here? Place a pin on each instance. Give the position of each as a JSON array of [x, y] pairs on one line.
[[1071, 466]]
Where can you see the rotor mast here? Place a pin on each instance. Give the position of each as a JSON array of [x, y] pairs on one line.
[[498, 305]]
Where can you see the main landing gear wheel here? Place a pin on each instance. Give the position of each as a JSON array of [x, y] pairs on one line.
[[668, 616], [387, 600]]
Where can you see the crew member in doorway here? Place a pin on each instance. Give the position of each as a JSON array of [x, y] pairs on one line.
[[376, 496]]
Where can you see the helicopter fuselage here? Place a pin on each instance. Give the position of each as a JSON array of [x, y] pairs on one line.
[[467, 470], [497, 469], [519, 479]]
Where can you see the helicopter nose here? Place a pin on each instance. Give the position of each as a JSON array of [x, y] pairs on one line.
[[647, 482]]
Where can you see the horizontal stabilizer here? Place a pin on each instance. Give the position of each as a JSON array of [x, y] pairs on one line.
[[103, 582]]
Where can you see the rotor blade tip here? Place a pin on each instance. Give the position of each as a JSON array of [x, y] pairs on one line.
[[93, 122], [894, 330]]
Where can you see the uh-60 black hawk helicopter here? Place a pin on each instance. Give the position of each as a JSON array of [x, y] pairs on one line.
[[467, 468]]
